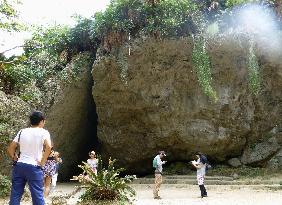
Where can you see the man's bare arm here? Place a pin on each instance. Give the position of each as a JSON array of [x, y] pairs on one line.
[[12, 150], [46, 152]]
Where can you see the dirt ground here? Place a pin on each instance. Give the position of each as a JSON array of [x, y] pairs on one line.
[[217, 195]]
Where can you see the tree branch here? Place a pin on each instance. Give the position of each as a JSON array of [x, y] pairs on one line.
[[1, 53]]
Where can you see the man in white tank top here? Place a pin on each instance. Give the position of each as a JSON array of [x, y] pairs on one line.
[[27, 168]]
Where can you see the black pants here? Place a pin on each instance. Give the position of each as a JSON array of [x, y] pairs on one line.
[[203, 191]]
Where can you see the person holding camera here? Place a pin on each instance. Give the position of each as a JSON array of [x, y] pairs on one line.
[[200, 165], [28, 165], [158, 165]]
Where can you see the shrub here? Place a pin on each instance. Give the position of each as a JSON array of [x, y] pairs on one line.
[[166, 18], [106, 185], [18, 75], [79, 36], [53, 39], [5, 186]]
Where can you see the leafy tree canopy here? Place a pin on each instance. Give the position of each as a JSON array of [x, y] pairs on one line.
[[9, 15]]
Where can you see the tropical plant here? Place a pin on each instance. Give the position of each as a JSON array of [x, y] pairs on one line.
[[106, 185]]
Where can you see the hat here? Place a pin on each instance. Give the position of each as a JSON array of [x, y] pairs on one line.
[[162, 152]]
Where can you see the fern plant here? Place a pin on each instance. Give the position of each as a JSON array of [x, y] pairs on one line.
[[106, 185]]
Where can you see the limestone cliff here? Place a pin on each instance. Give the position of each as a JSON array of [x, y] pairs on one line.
[[148, 98]]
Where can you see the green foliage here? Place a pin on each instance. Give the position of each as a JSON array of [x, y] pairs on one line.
[[106, 185], [202, 66], [232, 3], [167, 18], [171, 17], [53, 39], [8, 16], [5, 186], [80, 62], [253, 71], [79, 36], [119, 16], [19, 75]]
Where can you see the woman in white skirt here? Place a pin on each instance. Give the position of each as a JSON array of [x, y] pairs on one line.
[[200, 165]]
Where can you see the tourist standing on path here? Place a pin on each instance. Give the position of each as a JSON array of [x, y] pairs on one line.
[[49, 170], [93, 161], [158, 165], [200, 165], [27, 166]]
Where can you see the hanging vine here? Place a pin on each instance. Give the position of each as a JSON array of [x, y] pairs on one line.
[[253, 71], [202, 66]]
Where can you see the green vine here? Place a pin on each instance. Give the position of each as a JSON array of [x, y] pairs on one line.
[[202, 66], [253, 71]]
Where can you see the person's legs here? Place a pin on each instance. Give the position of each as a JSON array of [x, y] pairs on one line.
[[158, 182], [35, 182], [54, 180], [200, 180], [205, 191], [18, 184], [47, 183]]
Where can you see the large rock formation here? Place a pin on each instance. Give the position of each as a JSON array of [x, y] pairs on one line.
[[72, 124], [151, 100], [13, 116]]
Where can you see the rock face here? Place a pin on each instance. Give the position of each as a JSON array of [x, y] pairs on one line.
[[151, 100], [72, 124], [14, 114]]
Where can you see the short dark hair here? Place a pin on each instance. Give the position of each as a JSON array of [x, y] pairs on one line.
[[36, 117]]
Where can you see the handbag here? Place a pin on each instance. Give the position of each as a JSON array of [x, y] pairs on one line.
[[17, 151]]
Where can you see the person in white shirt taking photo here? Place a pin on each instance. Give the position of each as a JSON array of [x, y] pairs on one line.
[[28, 166]]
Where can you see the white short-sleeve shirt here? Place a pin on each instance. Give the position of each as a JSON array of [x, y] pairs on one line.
[[31, 144]]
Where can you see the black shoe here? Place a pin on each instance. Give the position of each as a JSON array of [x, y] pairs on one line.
[[204, 196]]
